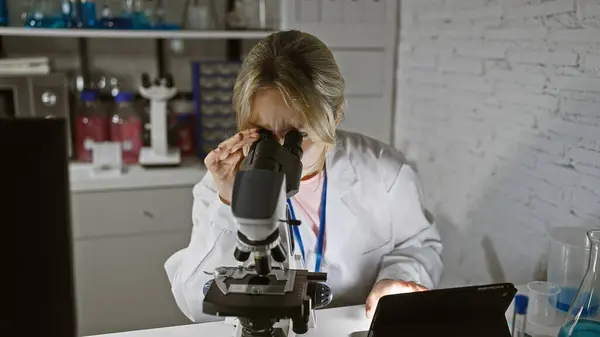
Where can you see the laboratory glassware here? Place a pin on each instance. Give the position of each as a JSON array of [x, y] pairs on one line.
[[583, 319], [567, 261]]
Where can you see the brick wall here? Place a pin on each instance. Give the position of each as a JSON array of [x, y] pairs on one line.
[[499, 109]]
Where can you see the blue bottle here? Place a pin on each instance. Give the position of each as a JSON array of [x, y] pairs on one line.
[[68, 11], [88, 14], [3, 13]]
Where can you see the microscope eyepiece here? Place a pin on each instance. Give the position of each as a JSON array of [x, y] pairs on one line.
[[293, 143]]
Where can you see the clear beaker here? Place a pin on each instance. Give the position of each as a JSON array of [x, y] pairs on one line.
[[583, 319], [567, 262]]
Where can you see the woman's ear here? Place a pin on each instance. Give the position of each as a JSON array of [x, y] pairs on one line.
[[339, 116]]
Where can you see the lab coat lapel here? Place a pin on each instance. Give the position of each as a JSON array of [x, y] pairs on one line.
[[341, 219]]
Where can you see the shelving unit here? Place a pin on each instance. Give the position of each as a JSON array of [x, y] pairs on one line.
[[133, 34]]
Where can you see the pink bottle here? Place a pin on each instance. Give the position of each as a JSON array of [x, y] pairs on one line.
[[91, 125], [126, 127]]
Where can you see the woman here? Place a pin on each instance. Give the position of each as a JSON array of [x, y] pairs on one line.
[[378, 240]]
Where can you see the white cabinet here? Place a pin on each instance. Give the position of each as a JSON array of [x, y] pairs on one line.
[[122, 239]]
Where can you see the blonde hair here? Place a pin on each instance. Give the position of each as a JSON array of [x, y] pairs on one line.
[[306, 74]]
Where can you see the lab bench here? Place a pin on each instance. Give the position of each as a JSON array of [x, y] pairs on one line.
[[124, 229]]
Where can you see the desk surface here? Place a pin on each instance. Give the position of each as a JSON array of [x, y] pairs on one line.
[[330, 322], [336, 322]]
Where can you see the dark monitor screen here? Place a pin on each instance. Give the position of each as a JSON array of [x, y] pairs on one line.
[[35, 219]]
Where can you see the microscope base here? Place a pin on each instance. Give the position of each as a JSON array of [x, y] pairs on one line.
[[149, 158]]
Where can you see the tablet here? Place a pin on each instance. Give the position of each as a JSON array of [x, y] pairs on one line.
[[466, 311]]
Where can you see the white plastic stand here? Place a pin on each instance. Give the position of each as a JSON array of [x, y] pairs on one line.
[[159, 153]]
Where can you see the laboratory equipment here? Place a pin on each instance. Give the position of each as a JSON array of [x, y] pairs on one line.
[[69, 13], [126, 127], [43, 14], [36, 187], [567, 261], [283, 297], [4, 13], [519, 323], [91, 125], [158, 92], [89, 14], [583, 319], [198, 17], [543, 298], [473, 311], [184, 110], [213, 83]]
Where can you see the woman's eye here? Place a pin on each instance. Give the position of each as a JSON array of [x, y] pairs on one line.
[[304, 134]]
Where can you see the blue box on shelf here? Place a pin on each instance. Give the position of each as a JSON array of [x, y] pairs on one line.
[[213, 83]]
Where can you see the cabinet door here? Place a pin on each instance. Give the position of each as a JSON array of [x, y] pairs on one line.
[[362, 35], [121, 283], [130, 212]]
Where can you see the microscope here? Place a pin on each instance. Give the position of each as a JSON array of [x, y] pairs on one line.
[[274, 296]]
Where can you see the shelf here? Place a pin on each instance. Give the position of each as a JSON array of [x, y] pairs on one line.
[[133, 34]]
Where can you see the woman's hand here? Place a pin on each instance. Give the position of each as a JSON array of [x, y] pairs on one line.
[[389, 287], [224, 161]]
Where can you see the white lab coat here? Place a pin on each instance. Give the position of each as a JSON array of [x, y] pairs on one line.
[[375, 229]]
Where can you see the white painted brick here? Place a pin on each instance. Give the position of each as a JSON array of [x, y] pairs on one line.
[[591, 183], [458, 136], [483, 50], [588, 35], [461, 65], [466, 3], [435, 15], [526, 99], [556, 175], [461, 32], [585, 157], [420, 60], [591, 61], [575, 83], [580, 107], [424, 76], [525, 33], [467, 82], [559, 58], [543, 9], [435, 47], [585, 203], [478, 13], [591, 9], [574, 130], [517, 77]]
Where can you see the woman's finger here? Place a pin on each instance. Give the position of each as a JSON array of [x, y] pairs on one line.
[[232, 160], [370, 305], [238, 137], [211, 160]]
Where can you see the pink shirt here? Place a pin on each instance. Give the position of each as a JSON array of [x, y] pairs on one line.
[[308, 201]]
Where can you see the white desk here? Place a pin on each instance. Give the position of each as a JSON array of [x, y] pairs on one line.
[[336, 322]]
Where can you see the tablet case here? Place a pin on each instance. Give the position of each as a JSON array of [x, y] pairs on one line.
[[473, 311]]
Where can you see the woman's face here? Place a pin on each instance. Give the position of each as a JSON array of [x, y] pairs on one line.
[[269, 111]]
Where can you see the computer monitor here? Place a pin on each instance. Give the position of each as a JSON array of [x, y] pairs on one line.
[[35, 219]]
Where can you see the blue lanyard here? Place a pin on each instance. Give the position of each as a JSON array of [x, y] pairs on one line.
[[321, 235]]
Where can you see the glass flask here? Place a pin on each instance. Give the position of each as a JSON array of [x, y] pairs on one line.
[[583, 319]]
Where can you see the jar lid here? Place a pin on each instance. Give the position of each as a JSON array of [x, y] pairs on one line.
[[89, 96], [123, 96]]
